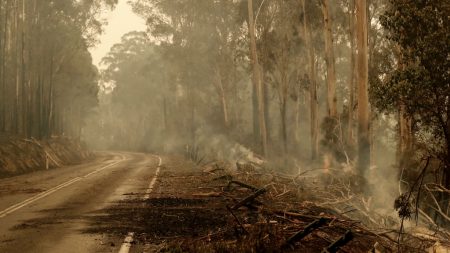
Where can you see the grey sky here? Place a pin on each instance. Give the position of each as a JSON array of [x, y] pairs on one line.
[[120, 21]]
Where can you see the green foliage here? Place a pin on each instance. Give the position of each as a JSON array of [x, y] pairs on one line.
[[421, 30], [403, 206]]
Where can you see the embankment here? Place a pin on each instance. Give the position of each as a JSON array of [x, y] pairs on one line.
[[19, 156]]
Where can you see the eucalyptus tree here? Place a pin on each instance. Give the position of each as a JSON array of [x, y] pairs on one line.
[[330, 59], [205, 40], [39, 41], [362, 63], [421, 85], [312, 79]]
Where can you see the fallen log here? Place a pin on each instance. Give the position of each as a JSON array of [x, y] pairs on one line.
[[342, 241]]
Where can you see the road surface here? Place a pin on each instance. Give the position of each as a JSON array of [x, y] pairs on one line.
[[48, 211]]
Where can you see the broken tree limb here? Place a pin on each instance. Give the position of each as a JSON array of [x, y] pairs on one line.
[[298, 215], [249, 198], [342, 241], [306, 231], [243, 185]]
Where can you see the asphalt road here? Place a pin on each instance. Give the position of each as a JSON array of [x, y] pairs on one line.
[[48, 211]]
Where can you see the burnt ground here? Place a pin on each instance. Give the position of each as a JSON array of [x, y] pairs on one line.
[[191, 210]]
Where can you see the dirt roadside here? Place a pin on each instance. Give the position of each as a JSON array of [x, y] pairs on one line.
[[196, 210], [20, 156]]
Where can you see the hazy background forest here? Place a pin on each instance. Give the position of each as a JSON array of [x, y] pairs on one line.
[[349, 85]]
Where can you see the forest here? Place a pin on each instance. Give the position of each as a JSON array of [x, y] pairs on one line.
[[353, 84]]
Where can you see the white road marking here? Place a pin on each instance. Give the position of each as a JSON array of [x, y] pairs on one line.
[[41, 195], [152, 183], [126, 245]]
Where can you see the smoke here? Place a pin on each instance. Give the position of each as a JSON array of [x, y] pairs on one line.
[[383, 175], [221, 147]]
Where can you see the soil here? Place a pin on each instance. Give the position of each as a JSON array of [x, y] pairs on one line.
[[19, 155]]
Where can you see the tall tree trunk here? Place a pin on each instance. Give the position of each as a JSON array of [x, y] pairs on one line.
[[256, 128], [314, 104], [351, 86], [446, 178], [223, 98], [283, 66], [257, 79], [297, 118], [16, 110], [266, 104], [363, 98], [2, 62], [50, 102], [23, 82], [331, 69], [283, 110], [165, 127], [405, 139]]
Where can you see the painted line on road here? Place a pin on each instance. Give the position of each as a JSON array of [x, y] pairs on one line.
[[44, 194], [126, 245], [152, 183]]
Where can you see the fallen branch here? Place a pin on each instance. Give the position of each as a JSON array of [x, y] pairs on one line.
[[306, 231], [243, 185], [249, 198]]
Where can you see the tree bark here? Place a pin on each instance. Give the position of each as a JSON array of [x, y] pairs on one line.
[[363, 98], [351, 86], [257, 79], [330, 60], [405, 134], [16, 110], [314, 104], [23, 83], [405, 139], [2, 63]]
